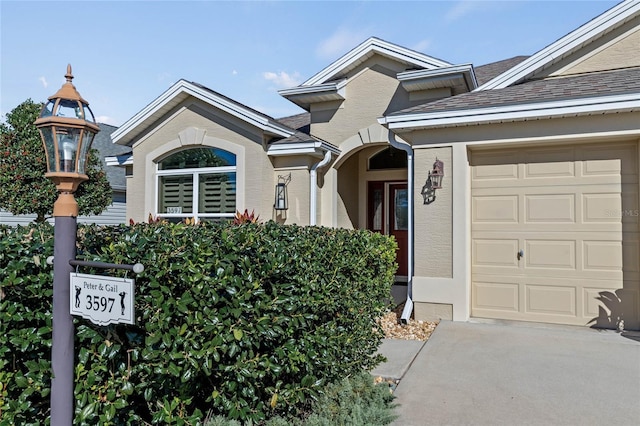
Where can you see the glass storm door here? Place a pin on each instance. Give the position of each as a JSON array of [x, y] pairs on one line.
[[388, 213]]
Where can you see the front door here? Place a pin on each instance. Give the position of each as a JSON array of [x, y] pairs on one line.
[[388, 213]]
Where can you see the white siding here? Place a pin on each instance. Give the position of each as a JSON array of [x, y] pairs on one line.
[[115, 214]]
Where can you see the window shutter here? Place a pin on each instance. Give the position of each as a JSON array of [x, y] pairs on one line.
[[176, 194], [217, 193]]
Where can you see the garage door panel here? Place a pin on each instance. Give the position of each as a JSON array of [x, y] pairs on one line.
[[495, 252], [573, 211], [496, 296], [539, 166], [601, 207], [550, 300], [602, 255], [555, 254], [500, 209], [604, 307], [550, 208]]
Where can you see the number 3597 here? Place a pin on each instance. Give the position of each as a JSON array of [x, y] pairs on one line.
[[97, 303]]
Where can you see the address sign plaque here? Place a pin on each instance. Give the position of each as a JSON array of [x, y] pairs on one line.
[[102, 300]]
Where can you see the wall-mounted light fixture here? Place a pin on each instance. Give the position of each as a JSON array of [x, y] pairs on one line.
[[434, 181], [282, 199]]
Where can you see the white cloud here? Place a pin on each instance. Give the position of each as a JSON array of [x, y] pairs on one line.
[[340, 42], [105, 119], [234, 72], [44, 82], [422, 45], [282, 79], [462, 8]]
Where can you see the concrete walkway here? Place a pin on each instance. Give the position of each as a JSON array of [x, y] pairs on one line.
[[516, 374]]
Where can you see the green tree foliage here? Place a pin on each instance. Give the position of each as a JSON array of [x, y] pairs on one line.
[[24, 188]]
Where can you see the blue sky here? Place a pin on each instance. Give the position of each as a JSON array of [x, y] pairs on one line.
[[124, 54]]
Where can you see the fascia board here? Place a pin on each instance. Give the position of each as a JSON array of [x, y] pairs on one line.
[[376, 45], [183, 86], [318, 88], [144, 113], [238, 111], [119, 160], [604, 104], [466, 70], [456, 69], [577, 38], [318, 148]]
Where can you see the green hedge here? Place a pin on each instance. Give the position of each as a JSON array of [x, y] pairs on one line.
[[249, 321]]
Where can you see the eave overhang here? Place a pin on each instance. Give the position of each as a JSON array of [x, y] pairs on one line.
[[120, 160], [180, 91], [510, 113], [455, 76], [304, 96], [312, 148]]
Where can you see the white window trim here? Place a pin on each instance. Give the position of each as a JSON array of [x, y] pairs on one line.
[[195, 173]]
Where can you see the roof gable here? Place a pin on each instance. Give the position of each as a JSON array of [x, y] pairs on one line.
[[365, 50], [566, 45], [181, 90]]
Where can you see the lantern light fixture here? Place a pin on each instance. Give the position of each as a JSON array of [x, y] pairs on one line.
[[67, 128], [434, 181], [281, 197]]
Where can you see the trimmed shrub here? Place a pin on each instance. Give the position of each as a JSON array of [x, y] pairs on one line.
[[354, 401], [25, 323], [251, 321]]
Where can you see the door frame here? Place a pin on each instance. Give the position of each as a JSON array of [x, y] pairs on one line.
[[387, 210]]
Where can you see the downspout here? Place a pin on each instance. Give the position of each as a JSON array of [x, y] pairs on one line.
[[408, 306], [313, 193]]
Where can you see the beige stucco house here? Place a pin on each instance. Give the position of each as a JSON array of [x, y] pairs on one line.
[[512, 188]]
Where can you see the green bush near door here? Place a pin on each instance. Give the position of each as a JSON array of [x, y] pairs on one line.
[[250, 321]]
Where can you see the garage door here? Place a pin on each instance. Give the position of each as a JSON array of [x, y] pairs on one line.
[[555, 234]]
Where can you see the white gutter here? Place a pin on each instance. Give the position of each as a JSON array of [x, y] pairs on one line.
[[572, 107], [408, 306], [313, 194]]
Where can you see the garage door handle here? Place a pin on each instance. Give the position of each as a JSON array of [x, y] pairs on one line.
[[520, 254]]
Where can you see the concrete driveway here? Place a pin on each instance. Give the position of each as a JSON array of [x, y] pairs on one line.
[[522, 374]]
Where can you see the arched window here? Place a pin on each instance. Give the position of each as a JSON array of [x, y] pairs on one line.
[[197, 183], [389, 158]]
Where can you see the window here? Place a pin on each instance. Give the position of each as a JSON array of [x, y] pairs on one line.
[[389, 158], [197, 183]]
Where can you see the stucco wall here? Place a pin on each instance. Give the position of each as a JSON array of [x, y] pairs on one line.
[[371, 92], [195, 124], [348, 207], [624, 53], [615, 50], [433, 222]]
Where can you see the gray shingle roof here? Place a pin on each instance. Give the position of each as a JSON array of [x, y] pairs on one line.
[[106, 148], [487, 72], [552, 89], [300, 122]]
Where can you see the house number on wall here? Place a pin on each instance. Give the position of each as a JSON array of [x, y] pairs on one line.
[[102, 300]]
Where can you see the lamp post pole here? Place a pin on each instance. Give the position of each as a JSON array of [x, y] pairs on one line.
[[62, 349], [67, 128]]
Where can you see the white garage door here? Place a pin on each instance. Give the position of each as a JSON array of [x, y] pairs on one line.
[[555, 234]]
